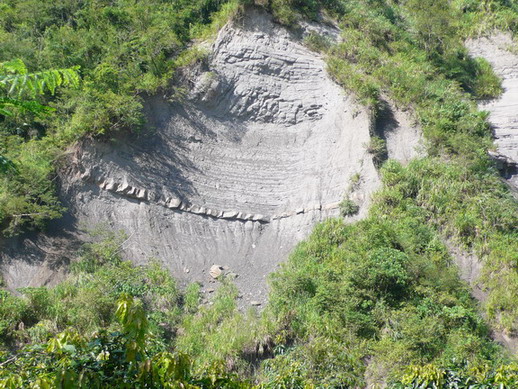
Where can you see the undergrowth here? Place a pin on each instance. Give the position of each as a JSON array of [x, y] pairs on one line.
[[457, 184], [355, 303]]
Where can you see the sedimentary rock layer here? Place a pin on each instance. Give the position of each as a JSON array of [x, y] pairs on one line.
[[264, 145]]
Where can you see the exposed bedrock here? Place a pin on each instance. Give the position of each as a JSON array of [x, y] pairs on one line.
[[263, 147], [500, 50]]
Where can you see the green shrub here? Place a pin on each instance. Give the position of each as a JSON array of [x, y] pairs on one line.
[[192, 297], [348, 207], [317, 42], [487, 84], [377, 147], [432, 376], [86, 300]]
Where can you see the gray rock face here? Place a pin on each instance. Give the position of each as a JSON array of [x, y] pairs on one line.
[[502, 53], [239, 173], [263, 148], [262, 77], [402, 134]]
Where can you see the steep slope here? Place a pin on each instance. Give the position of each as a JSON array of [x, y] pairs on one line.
[[501, 52], [263, 147]]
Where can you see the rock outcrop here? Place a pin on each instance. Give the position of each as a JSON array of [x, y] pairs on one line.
[[502, 52], [263, 147]]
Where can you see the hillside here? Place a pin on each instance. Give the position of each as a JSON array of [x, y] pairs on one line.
[[239, 172], [273, 195]]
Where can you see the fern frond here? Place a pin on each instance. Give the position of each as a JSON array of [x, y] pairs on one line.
[[7, 103], [15, 80], [16, 66]]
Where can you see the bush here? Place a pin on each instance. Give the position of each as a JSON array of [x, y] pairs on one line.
[[348, 207], [317, 42], [378, 149]]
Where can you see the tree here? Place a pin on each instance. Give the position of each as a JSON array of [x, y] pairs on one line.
[[120, 359]]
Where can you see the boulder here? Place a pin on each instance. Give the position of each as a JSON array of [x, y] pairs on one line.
[[215, 271]]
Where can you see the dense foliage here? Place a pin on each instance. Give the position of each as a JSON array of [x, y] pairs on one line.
[[124, 49], [372, 303], [26, 194], [399, 304], [456, 185], [382, 290], [413, 54]]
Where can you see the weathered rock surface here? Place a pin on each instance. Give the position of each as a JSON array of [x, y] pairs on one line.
[[401, 132], [263, 148], [36, 260], [500, 50]]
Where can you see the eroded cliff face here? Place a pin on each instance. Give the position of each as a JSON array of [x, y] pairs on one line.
[[500, 50], [264, 146]]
